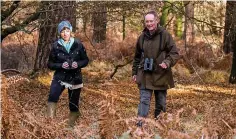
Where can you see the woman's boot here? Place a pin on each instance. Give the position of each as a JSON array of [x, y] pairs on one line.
[[51, 110], [73, 116]]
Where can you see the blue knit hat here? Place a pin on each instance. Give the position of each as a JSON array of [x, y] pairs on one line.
[[64, 24]]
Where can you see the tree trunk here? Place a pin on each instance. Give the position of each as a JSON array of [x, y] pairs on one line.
[[164, 15], [179, 26], [189, 23], [230, 36], [230, 27], [55, 13], [99, 24], [232, 78]]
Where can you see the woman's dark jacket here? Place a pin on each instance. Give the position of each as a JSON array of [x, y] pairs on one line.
[[58, 55]]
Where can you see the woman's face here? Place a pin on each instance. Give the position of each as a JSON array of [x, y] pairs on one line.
[[65, 34]]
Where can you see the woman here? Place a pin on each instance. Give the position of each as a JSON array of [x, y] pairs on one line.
[[67, 57]]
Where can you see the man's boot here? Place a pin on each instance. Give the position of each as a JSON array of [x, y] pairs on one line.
[[139, 132], [73, 116], [51, 110], [157, 113]]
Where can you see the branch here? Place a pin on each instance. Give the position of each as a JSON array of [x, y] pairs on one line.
[[10, 70], [17, 27], [8, 12], [227, 124], [119, 66], [169, 22], [193, 18], [209, 24]]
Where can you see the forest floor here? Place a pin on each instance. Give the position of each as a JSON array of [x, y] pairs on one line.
[[109, 108]]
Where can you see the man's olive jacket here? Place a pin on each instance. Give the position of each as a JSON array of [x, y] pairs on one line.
[[161, 47]]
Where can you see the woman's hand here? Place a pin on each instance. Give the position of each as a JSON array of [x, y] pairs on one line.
[[65, 65], [74, 65], [134, 78]]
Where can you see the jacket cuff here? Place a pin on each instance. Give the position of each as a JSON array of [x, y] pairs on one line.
[[167, 62], [59, 65], [134, 73]]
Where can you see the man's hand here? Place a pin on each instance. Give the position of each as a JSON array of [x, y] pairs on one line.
[[74, 65], [65, 65], [163, 65], [134, 78]]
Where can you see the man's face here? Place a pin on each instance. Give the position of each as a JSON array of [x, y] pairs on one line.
[[65, 34], [150, 22]]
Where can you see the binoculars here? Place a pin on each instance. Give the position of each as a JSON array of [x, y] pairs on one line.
[[148, 64]]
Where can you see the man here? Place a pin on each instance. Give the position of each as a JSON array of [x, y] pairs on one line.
[[155, 54]]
